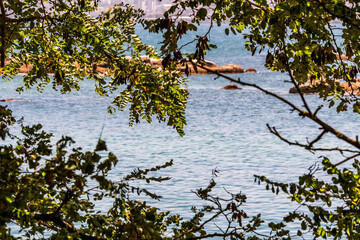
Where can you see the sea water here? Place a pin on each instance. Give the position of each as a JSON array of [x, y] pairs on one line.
[[226, 131]]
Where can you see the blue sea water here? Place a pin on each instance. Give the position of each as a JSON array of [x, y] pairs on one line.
[[226, 131]]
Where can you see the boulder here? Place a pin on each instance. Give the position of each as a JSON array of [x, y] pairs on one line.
[[103, 67], [231, 68], [307, 89], [231, 87], [128, 58], [6, 100], [156, 62], [351, 88], [145, 59], [343, 57], [25, 68], [250, 70], [210, 64]]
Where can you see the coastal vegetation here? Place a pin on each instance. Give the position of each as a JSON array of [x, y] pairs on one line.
[[50, 190], [300, 40]]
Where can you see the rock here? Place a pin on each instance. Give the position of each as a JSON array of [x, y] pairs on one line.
[[350, 88], [353, 88], [156, 62], [192, 70], [250, 70], [103, 65], [210, 64], [6, 100], [199, 70], [25, 68], [343, 57], [230, 68], [307, 89], [145, 59], [231, 87]]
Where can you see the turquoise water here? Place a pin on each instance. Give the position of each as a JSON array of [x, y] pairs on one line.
[[226, 130]]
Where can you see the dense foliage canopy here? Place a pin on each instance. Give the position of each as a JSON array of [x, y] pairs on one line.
[[63, 43], [298, 37]]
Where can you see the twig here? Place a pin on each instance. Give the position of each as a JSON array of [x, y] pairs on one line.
[[317, 139], [306, 146], [294, 81], [216, 235], [301, 112], [347, 159]]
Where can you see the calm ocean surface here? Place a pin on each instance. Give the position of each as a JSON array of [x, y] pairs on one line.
[[226, 130]]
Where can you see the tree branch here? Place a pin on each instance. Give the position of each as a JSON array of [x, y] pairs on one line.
[[293, 79], [28, 19], [303, 113], [63, 224], [347, 159], [2, 34], [343, 18], [310, 145], [67, 198], [216, 235], [317, 139]]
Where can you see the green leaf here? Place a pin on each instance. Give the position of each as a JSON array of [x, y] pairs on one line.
[[201, 14], [101, 145]]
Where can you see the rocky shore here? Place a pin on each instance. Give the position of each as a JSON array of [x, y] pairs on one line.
[[230, 68], [308, 88], [231, 87]]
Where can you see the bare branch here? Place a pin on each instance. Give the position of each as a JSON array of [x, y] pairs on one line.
[[294, 81], [216, 235], [28, 19], [317, 139], [318, 109], [301, 112], [276, 133], [63, 224], [341, 150], [307, 146], [2, 34], [347, 159], [67, 198]]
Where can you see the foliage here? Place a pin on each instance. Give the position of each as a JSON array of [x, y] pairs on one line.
[[56, 192], [300, 39], [332, 204], [50, 190], [64, 39], [298, 36], [53, 193]]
